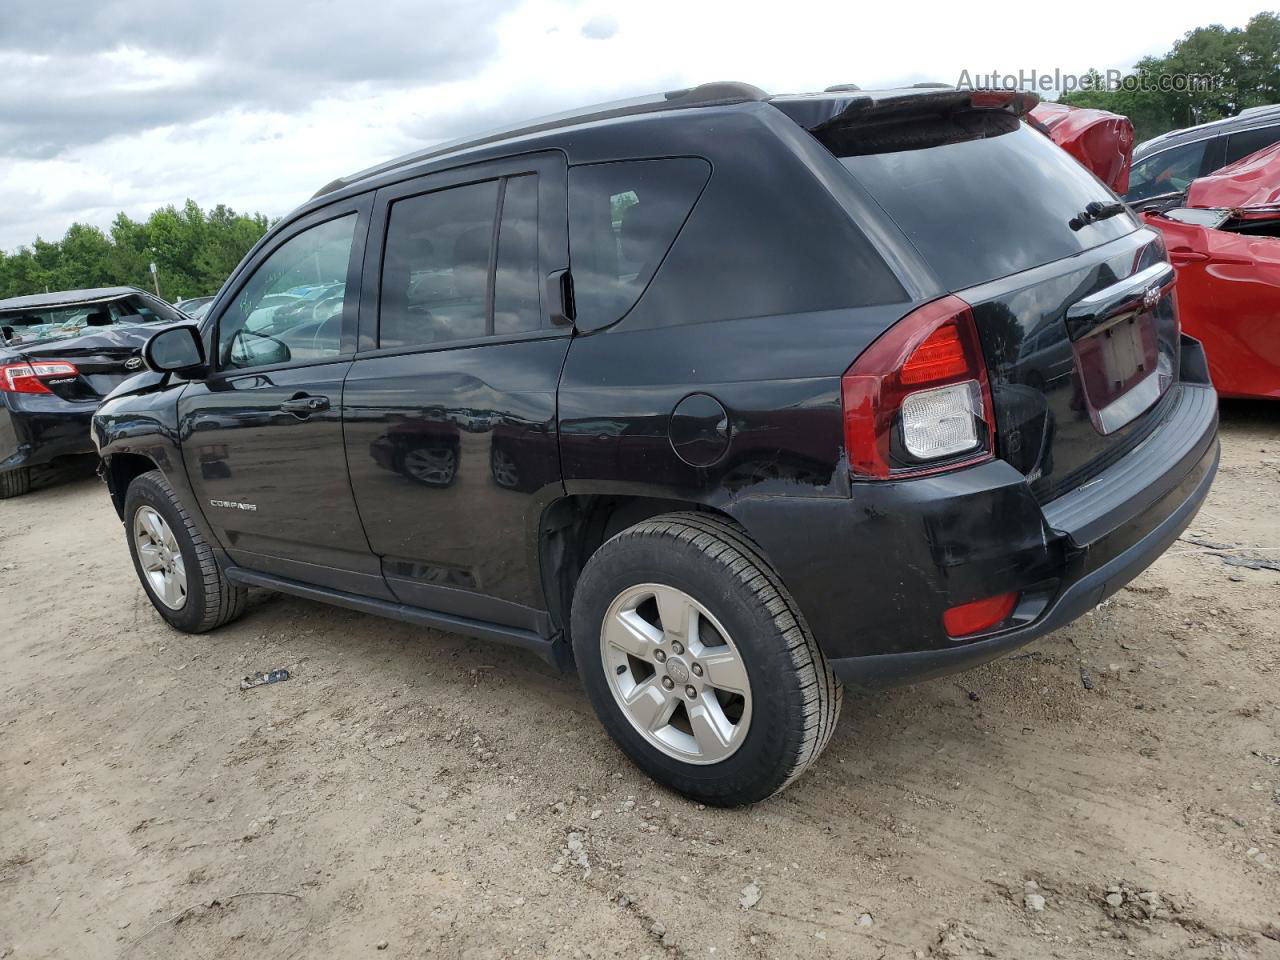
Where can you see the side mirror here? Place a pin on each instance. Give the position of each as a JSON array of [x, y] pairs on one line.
[[175, 349], [249, 349]]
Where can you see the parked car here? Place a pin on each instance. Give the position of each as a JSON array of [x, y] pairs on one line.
[[1165, 166], [1224, 240], [1222, 232], [60, 354], [766, 357], [1102, 141]]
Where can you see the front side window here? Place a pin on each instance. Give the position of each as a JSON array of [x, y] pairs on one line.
[[1169, 171], [447, 274], [291, 308], [623, 217]]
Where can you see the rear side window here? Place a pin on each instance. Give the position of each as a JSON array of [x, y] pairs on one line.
[[623, 218], [986, 208], [1240, 145], [447, 274]]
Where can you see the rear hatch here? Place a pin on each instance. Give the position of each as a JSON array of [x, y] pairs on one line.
[[102, 359], [1072, 296]]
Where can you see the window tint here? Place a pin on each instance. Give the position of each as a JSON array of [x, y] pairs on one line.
[[983, 209], [1169, 171], [1242, 144], [623, 218], [291, 308], [435, 270], [517, 306]]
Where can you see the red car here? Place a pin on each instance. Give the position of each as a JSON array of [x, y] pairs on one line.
[[1102, 141], [1223, 237]]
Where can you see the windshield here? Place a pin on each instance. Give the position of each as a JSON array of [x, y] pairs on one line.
[[37, 325], [987, 208]]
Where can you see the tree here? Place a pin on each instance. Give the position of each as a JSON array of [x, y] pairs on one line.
[[1243, 64], [194, 252]]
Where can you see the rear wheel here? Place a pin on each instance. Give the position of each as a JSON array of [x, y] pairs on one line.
[[173, 560], [697, 661], [14, 483]]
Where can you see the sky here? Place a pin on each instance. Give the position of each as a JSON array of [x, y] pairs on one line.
[[111, 105]]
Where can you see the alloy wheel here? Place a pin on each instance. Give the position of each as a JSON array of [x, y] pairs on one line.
[[160, 558], [676, 674]]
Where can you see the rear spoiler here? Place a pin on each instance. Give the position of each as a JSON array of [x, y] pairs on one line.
[[824, 112]]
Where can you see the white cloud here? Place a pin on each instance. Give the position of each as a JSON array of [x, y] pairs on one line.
[[186, 128]]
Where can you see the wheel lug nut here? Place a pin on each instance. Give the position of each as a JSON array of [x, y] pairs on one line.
[[697, 669], [660, 656], [691, 693], [676, 648], [668, 682]]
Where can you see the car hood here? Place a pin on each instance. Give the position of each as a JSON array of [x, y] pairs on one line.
[[1100, 140], [1252, 181]]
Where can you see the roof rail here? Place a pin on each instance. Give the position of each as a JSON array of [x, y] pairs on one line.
[[704, 95]]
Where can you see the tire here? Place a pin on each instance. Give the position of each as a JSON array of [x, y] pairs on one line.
[[210, 600], [794, 699], [14, 483]]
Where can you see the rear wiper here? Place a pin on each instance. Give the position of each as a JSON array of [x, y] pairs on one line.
[[1093, 212]]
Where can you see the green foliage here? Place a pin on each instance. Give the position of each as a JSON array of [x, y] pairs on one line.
[[1245, 61], [193, 250]]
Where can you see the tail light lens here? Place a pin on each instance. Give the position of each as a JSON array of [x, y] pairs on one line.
[[30, 377], [918, 399]]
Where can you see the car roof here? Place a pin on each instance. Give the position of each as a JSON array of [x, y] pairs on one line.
[[807, 109], [1244, 120], [67, 298]]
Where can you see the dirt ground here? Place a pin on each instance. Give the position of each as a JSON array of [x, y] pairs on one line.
[[413, 794]]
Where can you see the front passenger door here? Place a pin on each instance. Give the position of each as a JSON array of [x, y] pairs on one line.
[[263, 433]]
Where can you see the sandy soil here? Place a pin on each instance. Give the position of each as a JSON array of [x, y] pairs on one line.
[[423, 794]]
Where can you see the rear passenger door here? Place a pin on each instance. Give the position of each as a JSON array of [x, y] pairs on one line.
[[450, 406]]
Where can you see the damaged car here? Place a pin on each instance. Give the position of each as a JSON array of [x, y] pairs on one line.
[[60, 354], [1222, 233], [1224, 239]]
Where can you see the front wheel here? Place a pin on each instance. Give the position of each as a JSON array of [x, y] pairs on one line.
[[697, 661], [173, 560]]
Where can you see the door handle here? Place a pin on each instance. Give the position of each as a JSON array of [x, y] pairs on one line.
[[304, 406]]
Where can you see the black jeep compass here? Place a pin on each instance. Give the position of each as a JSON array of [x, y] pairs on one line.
[[724, 398]]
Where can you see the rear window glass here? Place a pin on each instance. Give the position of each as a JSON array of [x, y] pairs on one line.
[[623, 218], [986, 208], [59, 323]]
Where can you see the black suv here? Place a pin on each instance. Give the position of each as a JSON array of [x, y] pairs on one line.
[[724, 398]]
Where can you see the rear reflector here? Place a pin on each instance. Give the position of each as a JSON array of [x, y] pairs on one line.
[[979, 615], [28, 377]]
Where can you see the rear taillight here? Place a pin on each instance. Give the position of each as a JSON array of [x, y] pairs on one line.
[[918, 400], [30, 377]]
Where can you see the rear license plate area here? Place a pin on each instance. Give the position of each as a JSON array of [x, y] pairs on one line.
[[1118, 370]]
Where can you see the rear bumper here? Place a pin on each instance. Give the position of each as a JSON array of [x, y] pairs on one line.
[[874, 574], [36, 429], [1093, 582]]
